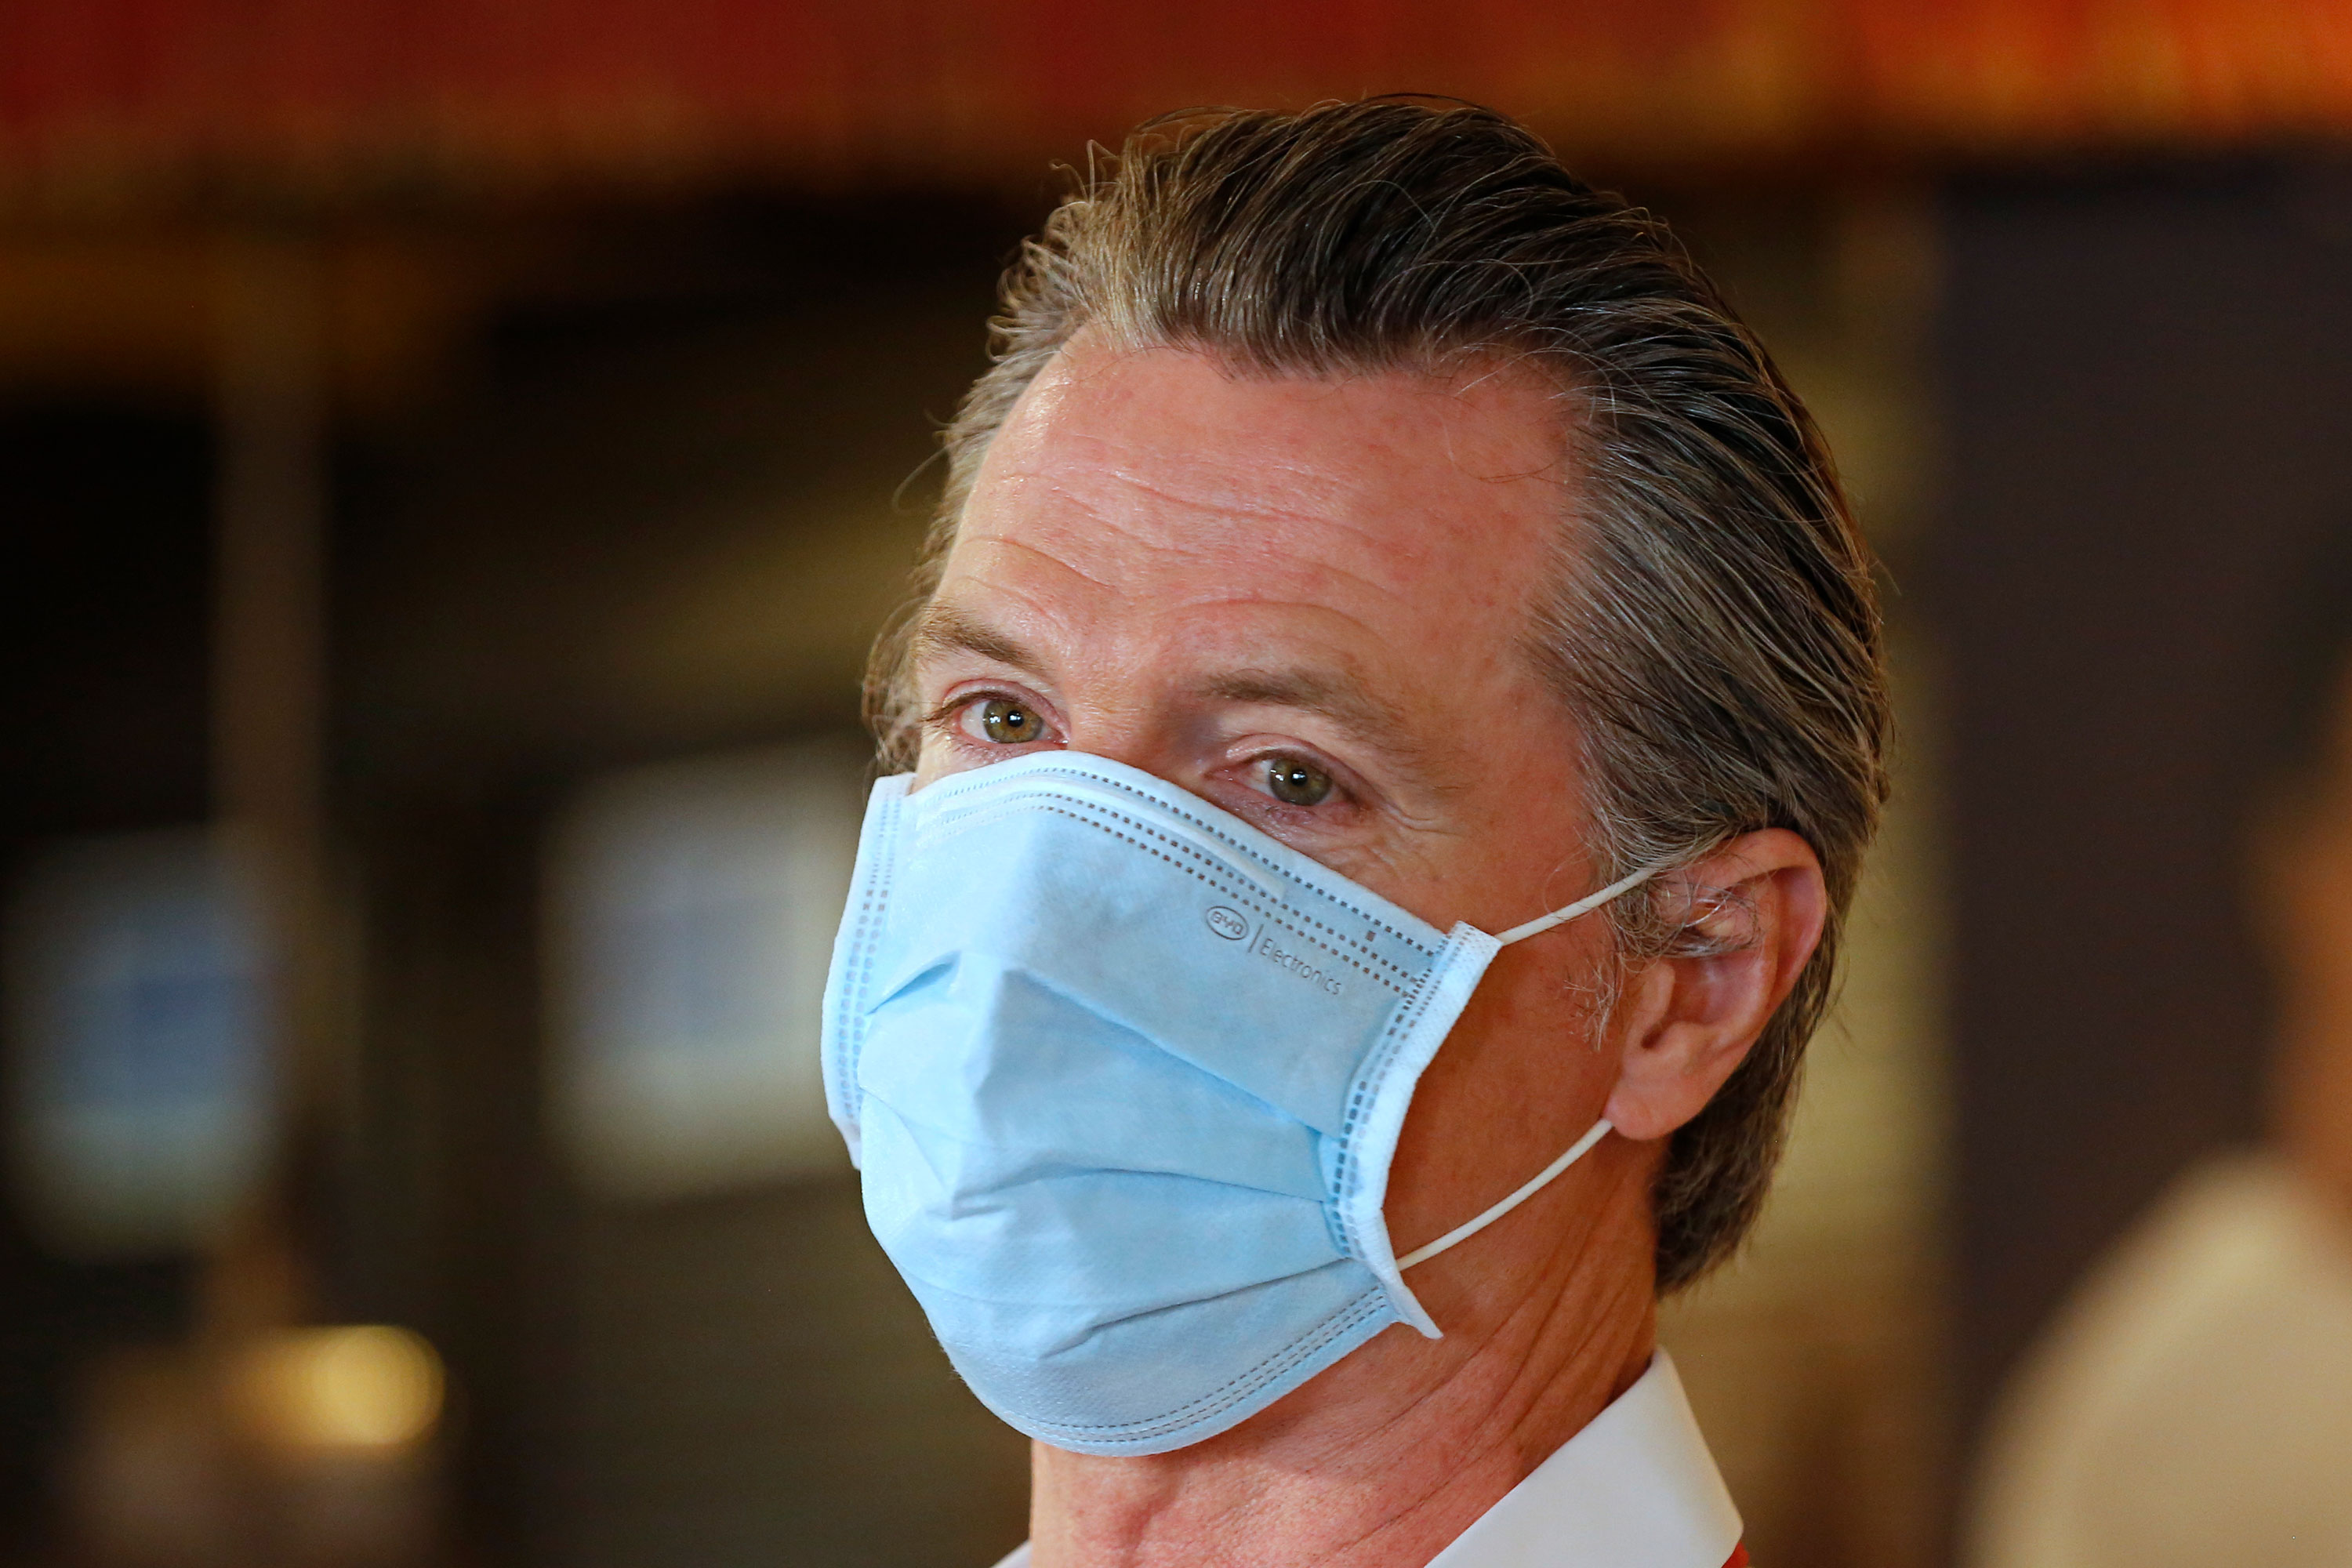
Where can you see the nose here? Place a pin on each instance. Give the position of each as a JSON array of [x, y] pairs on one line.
[[1133, 724]]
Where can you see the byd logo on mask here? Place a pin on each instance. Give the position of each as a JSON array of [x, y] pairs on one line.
[[1233, 926]]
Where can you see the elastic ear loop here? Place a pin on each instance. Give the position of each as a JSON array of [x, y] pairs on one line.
[[1600, 1129]]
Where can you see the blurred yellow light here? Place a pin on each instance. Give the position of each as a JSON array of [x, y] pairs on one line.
[[371, 1387]]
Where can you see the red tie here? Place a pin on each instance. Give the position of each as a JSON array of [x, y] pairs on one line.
[[1738, 1556]]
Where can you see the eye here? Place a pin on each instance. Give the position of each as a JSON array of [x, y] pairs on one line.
[[1296, 783], [1009, 723]]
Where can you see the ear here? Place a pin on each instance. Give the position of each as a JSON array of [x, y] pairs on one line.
[[1751, 914]]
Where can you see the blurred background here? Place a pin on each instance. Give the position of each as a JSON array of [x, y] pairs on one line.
[[453, 457]]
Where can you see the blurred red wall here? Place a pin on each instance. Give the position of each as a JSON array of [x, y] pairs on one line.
[[369, 90]]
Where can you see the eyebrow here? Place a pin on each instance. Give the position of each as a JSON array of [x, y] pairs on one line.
[[1337, 697], [1332, 694], [945, 629]]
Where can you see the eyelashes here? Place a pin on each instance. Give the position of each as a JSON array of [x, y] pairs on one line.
[[1002, 714], [1284, 782]]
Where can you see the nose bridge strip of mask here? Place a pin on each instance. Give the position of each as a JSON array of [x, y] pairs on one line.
[[1079, 795], [1300, 892]]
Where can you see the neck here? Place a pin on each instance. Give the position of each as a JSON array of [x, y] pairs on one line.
[[1390, 1454]]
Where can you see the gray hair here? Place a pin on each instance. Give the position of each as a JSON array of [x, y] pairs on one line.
[[1713, 621]]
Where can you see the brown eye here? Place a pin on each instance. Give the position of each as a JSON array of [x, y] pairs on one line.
[[1010, 724], [1295, 783]]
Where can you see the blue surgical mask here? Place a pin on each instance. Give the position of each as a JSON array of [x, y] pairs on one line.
[[1124, 1077]]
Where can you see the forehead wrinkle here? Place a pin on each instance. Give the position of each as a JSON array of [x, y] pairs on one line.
[[1077, 520], [1273, 490], [986, 539], [1173, 530], [1232, 483], [1232, 496]]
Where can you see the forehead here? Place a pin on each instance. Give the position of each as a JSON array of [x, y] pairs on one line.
[[1167, 481]]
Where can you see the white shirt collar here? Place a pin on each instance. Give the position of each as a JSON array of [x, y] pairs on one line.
[[1636, 1485]]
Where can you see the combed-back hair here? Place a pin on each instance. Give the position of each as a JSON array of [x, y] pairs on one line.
[[1711, 619]]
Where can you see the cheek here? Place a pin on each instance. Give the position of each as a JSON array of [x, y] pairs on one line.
[[1515, 1083], [934, 760]]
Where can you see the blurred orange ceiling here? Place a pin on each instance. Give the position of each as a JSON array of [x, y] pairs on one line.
[[100, 95]]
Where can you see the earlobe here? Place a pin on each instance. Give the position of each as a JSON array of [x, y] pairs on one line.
[[1752, 914]]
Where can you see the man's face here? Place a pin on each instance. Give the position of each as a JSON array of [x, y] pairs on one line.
[[1307, 602]]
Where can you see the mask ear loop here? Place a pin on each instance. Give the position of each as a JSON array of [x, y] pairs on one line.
[[1600, 1129], [1544, 1178], [1583, 906]]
